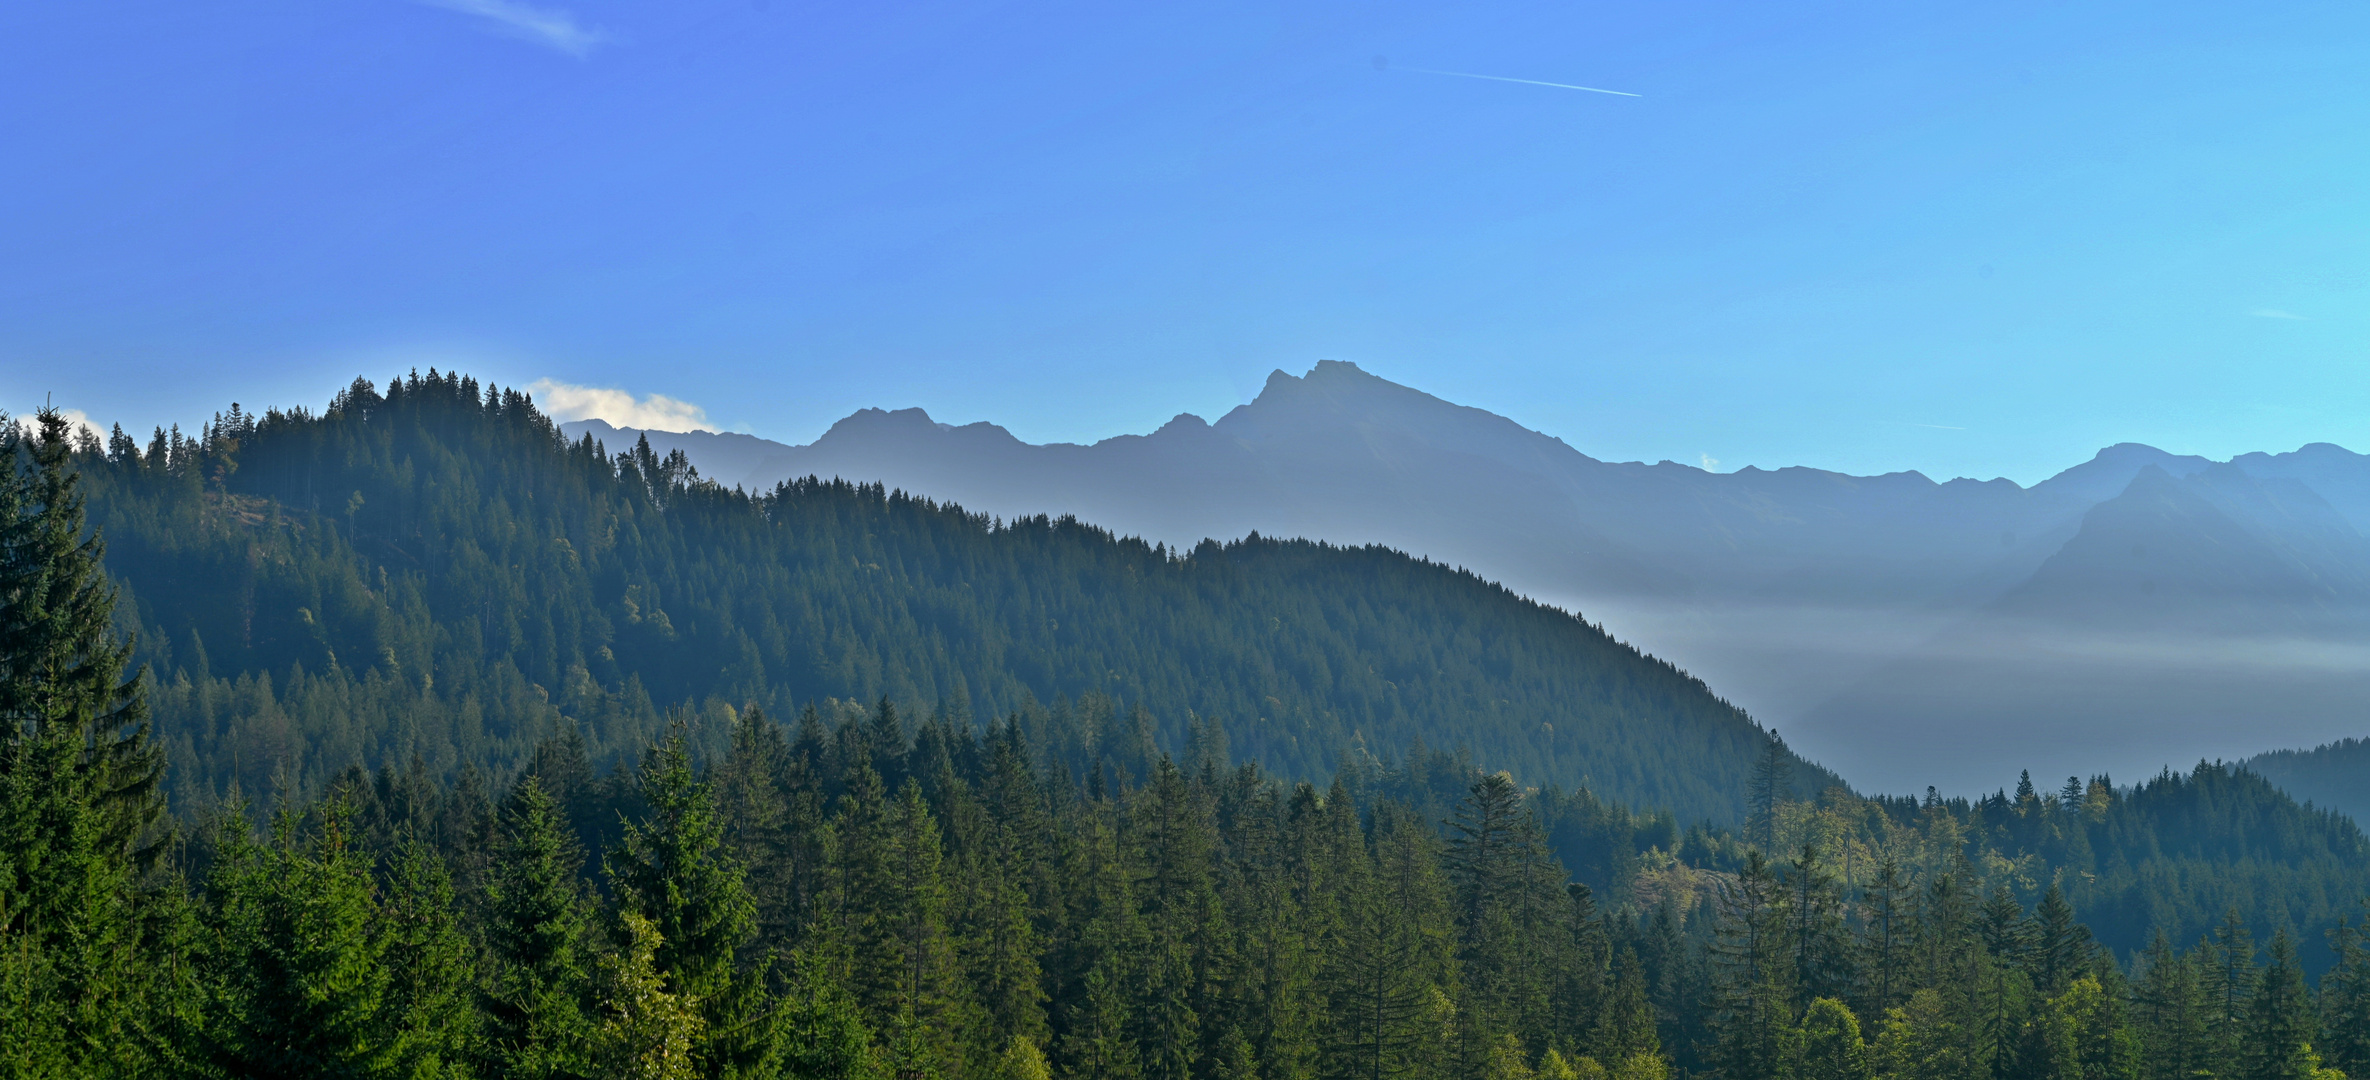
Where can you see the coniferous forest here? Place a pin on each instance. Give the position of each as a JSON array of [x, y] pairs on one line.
[[409, 740]]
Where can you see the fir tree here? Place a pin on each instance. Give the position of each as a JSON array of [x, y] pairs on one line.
[[2169, 1013], [297, 985], [2228, 980], [539, 984], [432, 1018], [1754, 971], [2060, 946], [672, 870], [1885, 955], [2280, 1028], [2345, 1002]]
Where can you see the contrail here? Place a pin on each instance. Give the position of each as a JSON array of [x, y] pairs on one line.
[[1502, 78]]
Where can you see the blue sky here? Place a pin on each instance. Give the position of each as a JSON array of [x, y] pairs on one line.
[[1970, 239]]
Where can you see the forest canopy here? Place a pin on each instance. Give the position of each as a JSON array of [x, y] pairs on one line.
[[870, 893], [435, 572]]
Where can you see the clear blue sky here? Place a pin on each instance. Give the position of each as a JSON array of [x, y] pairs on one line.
[[1967, 238]]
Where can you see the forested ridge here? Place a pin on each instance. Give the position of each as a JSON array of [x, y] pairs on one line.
[[868, 892], [434, 571]]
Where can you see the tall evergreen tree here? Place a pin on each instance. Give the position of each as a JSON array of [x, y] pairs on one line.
[[2280, 1028], [78, 776], [2345, 1001], [1819, 944], [2227, 974], [1394, 961], [297, 981], [672, 871], [1754, 972], [2169, 1010], [539, 987], [1888, 906]]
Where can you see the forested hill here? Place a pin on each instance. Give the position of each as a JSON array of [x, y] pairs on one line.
[[436, 573]]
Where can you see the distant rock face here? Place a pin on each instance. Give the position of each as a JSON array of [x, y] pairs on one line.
[[1900, 627]]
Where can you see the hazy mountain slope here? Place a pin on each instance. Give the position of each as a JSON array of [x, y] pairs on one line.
[[434, 572], [2204, 617], [1790, 590], [2334, 775]]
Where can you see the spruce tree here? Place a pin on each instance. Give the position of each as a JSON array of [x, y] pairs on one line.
[[1773, 784], [2060, 946], [1173, 837], [63, 669], [2228, 977], [2169, 1013], [1887, 904], [430, 1008], [1394, 960], [78, 777], [539, 983], [297, 984], [927, 1010], [1820, 946], [672, 871], [2345, 1002], [2080, 1033], [1753, 972], [2280, 1024]]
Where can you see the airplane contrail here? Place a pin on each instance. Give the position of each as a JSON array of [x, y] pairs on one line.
[[1526, 82]]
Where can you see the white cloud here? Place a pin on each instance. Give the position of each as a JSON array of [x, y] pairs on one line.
[[2275, 313], [1710, 463], [78, 420], [656, 412], [548, 27]]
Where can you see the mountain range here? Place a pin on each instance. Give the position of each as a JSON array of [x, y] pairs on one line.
[[2139, 610]]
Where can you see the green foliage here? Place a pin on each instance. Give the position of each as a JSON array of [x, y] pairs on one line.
[[883, 891]]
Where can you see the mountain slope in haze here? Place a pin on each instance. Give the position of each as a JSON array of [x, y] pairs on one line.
[[1881, 621], [2205, 616], [436, 572], [2333, 776]]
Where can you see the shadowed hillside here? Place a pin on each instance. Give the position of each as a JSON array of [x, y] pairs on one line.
[[436, 572]]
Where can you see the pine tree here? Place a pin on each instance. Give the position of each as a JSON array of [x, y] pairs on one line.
[[1887, 904], [2169, 1013], [1393, 961], [1820, 946], [539, 985], [78, 778], [673, 871], [432, 1018], [2228, 980], [297, 983], [2345, 1002], [2280, 1024], [1753, 972]]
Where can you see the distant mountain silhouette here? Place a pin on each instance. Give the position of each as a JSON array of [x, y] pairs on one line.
[[2139, 609]]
